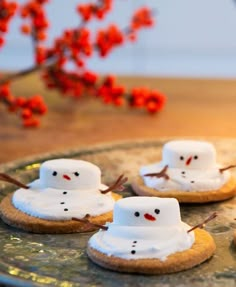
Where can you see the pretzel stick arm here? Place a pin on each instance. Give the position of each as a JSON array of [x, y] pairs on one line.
[[7, 178]]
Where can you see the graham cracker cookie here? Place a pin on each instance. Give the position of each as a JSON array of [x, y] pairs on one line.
[[202, 249], [227, 191], [188, 171], [234, 237], [16, 218]]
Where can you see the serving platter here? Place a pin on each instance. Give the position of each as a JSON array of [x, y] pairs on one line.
[[60, 260]]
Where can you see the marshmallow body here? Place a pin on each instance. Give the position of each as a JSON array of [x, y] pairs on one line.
[[144, 228]]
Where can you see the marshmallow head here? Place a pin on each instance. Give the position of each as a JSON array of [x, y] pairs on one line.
[[146, 211], [69, 174], [189, 154]]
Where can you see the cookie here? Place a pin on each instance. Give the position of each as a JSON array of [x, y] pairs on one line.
[[66, 188], [226, 191], [234, 237], [16, 218], [147, 236], [189, 172]]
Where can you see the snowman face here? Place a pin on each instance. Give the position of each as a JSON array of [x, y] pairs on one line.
[[189, 155], [147, 211], [69, 174]]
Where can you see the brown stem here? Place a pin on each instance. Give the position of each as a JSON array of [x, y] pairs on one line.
[[117, 185], [201, 225], [26, 72], [226, 168], [162, 173], [86, 220], [20, 74], [7, 178]]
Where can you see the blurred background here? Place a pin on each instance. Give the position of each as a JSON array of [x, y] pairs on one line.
[[189, 55], [190, 39]]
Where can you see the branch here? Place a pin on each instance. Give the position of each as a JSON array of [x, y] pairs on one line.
[[162, 173], [86, 220], [26, 72], [226, 168], [118, 185], [7, 178], [202, 225]]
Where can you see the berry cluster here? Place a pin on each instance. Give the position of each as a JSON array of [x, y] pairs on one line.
[[74, 46], [7, 11], [110, 92], [142, 18], [91, 10], [35, 20], [109, 38], [27, 108], [70, 84], [154, 101], [36, 25]]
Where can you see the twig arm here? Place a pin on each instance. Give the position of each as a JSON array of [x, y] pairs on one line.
[[117, 185], [202, 224], [86, 221], [7, 178], [160, 174], [226, 168]]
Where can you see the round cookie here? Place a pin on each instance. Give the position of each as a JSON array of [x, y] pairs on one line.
[[66, 188], [16, 218], [147, 236], [189, 172], [234, 237]]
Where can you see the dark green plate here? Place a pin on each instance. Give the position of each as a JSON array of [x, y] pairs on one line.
[[60, 260]]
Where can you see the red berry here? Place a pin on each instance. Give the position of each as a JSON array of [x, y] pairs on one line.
[[25, 29], [26, 113], [31, 122]]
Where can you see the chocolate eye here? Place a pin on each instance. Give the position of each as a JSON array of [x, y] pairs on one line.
[[54, 173], [157, 211], [137, 214], [181, 158], [195, 157], [76, 173]]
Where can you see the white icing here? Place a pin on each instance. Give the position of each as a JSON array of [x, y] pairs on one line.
[[132, 237], [64, 201], [191, 167]]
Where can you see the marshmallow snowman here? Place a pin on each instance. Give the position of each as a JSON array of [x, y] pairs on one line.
[[66, 188], [144, 227], [191, 166]]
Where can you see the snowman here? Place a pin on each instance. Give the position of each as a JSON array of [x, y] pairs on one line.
[[186, 166], [66, 188], [143, 228]]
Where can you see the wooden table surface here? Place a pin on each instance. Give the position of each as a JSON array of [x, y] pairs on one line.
[[195, 108]]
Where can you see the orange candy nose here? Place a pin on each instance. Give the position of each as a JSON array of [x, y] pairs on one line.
[[66, 177], [188, 161], [149, 217]]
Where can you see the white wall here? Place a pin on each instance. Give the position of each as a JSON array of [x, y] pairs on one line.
[[191, 38]]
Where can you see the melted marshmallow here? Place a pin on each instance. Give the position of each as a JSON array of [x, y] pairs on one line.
[[191, 167], [144, 227], [64, 194]]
